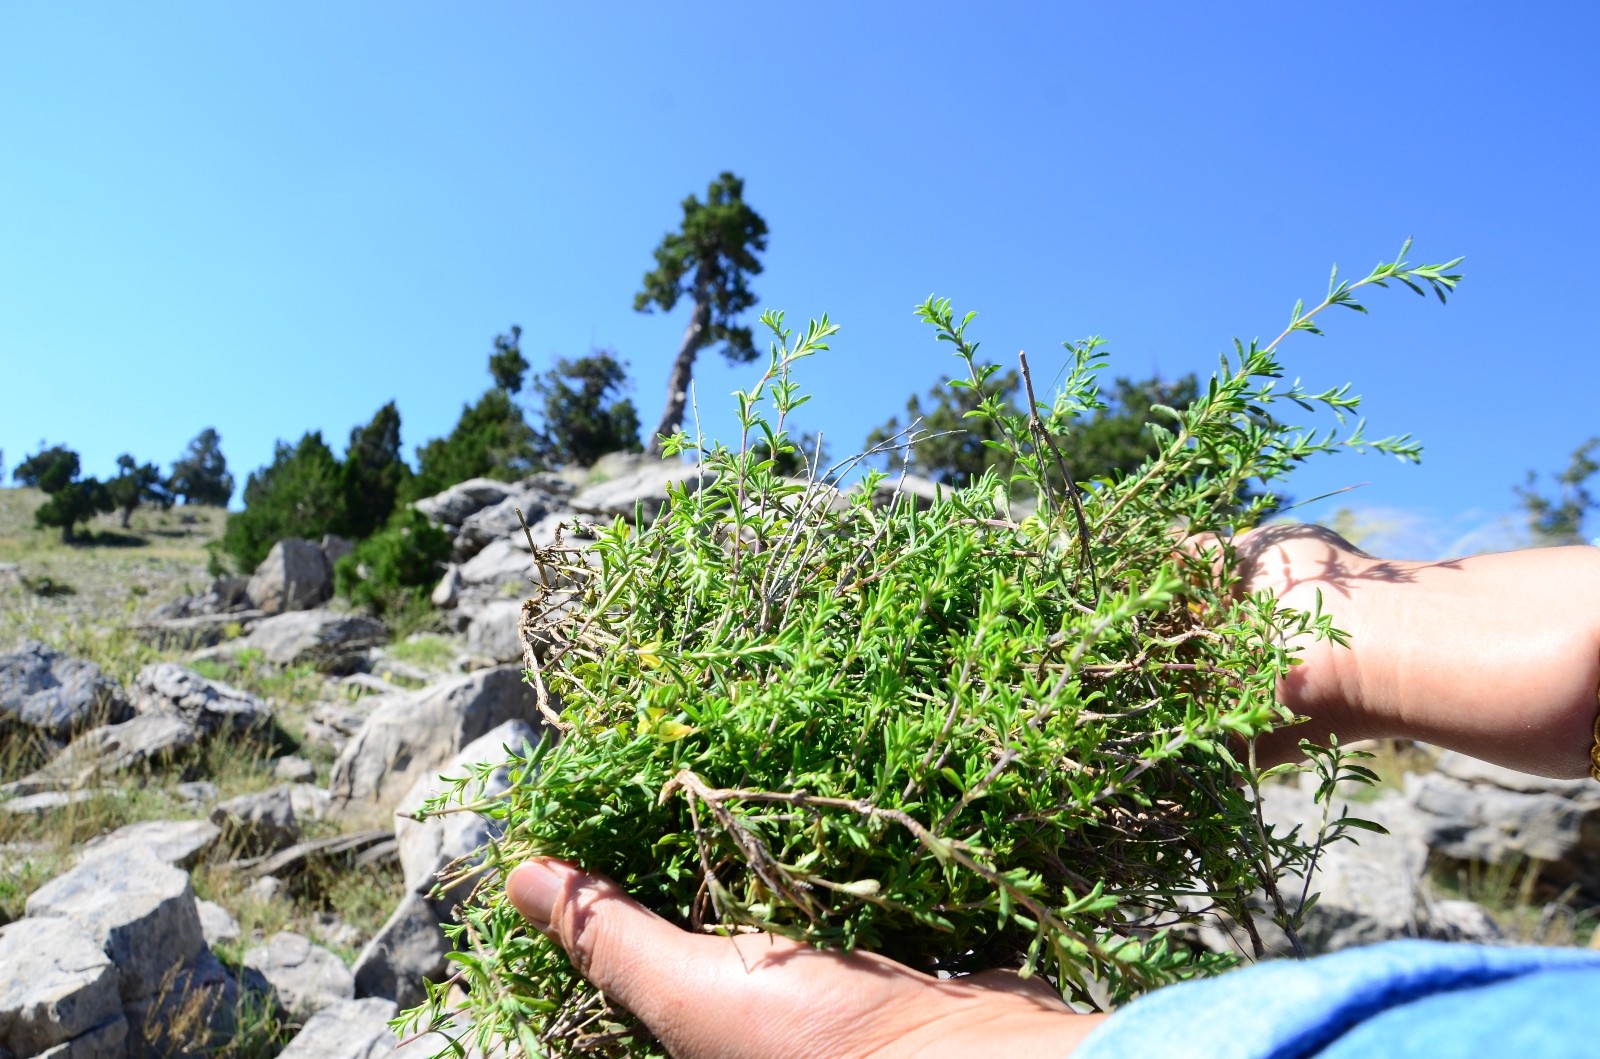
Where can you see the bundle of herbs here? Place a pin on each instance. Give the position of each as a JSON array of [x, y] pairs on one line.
[[1010, 729]]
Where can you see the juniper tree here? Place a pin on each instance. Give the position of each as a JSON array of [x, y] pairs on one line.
[[583, 413], [200, 475], [69, 499], [708, 260], [138, 484]]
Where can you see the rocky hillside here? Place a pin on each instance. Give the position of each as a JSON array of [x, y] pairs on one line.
[[205, 782]]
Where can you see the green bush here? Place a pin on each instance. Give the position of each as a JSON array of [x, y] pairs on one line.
[[396, 568], [957, 737]]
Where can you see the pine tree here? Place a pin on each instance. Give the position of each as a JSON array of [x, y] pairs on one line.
[[583, 416], [200, 475], [710, 261]]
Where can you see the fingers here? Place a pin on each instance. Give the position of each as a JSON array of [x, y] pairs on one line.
[[613, 941]]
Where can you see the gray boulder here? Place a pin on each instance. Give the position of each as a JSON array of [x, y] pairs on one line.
[[405, 950], [216, 923], [139, 911], [57, 991], [448, 589], [500, 565], [209, 706], [412, 735], [412, 945], [428, 846], [295, 575], [496, 631], [112, 748], [196, 1012], [334, 643], [1372, 890], [306, 977], [181, 843], [350, 1029], [499, 521], [335, 547], [254, 824], [54, 693], [1470, 810], [642, 491], [453, 506]]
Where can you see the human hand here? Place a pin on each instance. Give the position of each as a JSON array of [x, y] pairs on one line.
[[756, 996], [1497, 656]]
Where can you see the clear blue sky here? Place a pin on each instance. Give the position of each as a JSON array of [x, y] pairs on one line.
[[276, 219]]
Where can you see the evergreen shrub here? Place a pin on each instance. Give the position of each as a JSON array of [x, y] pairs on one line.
[[962, 737]]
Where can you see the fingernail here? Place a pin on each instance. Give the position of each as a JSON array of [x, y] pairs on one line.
[[533, 889]]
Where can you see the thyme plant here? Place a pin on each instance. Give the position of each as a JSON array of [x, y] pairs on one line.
[[966, 736]]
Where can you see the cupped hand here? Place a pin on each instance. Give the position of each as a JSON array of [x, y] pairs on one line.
[[756, 996]]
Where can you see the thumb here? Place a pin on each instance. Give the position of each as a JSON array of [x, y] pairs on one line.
[[621, 947]]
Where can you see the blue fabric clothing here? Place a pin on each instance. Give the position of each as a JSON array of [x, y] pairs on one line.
[[1411, 999]]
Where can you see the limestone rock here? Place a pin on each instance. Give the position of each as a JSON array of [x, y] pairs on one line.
[[910, 487], [306, 977], [116, 747], [109, 1040], [168, 690], [331, 642], [195, 1013], [181, 843], [216, 923], [412, 735], [426, 846], [55, 985], [335, 547], [499, 521], [1474, 811], [454, 505], [196, 631], [293, 769], [139, 911], [54, 693], [259, 823], [495, 632], [449, 588], [642, 491], [407, 948], [294, 576], [350, 1029]]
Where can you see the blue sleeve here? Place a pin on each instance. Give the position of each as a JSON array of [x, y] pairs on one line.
[[1402, 998]]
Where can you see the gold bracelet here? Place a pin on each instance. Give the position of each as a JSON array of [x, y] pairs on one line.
[[1594, 750]]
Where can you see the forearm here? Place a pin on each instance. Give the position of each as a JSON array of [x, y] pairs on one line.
[[1497, 656]]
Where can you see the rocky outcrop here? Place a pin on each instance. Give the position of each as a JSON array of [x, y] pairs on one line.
[[256, 824], [640, 493], [405, 950], [412, 735], [412, 945], [295, 575], [464, 499], [1473, 811], [306, 977], [109, 749], [137, 910], [208, 706], [58, 992], [181, 843], [55, 694], [350, 1029], [499, 521], [334, 643], [495, 633]]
